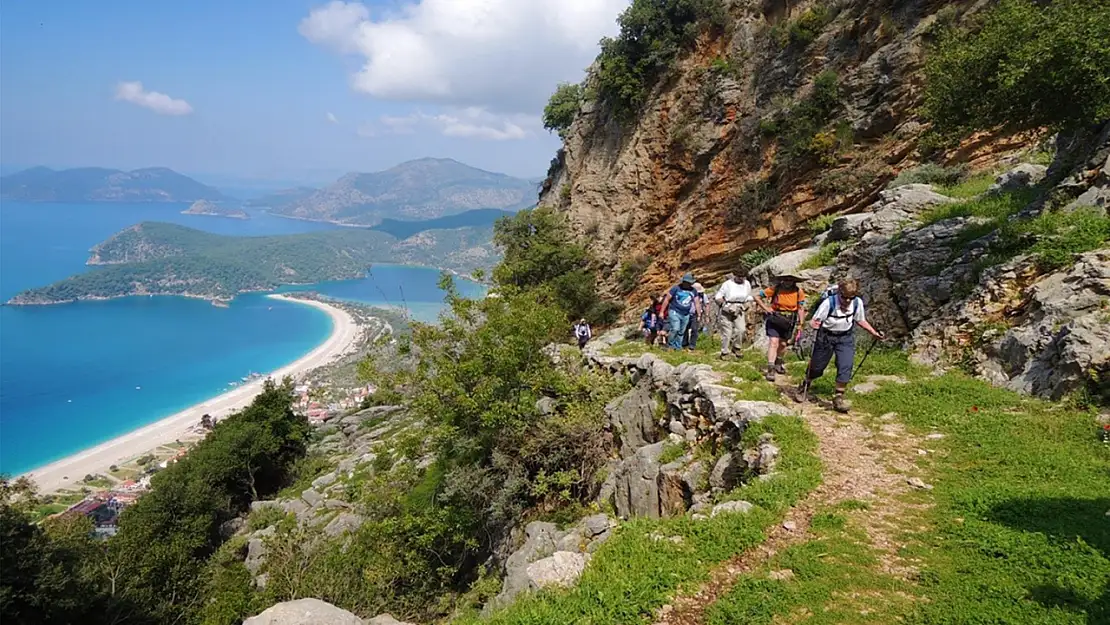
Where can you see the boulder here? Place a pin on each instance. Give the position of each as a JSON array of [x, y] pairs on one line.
[[312, 498], [324, 481], [1023, 176], [385, 619], [546, 406], [745, 410], [637, 488], [632, 418], [343, 523], [304, 612], [256, 549], [727, 472], [732, 507], [849, 227], [764, 273], [232, 527], [561, 568]]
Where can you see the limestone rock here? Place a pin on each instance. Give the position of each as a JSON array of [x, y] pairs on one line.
[[385, 619], [343, 523], [637, 491], [304, 612], [732, 507], [561, 568], [324, 481], [632, 417], [727, 471], [1021, 177], [312, 498], [764, 273], [756, 410]]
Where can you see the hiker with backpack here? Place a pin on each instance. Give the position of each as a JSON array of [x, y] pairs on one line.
[[583, 333], [835, 322], [784, 305], [733, 298], [680, 303], [650, 321]]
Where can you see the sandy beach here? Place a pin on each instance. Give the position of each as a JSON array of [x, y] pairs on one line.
[[68, 471]]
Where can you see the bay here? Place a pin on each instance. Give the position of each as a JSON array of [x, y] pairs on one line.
[[75, 375]]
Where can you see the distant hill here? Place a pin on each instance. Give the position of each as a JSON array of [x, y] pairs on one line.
[[280, 200], [427, 188], [95, 184], [168, 259], [204, 207], [481, 218]]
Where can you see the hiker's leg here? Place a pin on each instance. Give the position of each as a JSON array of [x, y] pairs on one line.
[[693, 330], [845, 347], [676, 328], [726, 333], [772, 350], [822, 354], [739, 329]]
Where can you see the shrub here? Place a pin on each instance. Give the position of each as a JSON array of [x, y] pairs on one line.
[[929, 173], [1030, 65], [652, 34], [562, 108], [757, 257], [1055, 238], [803, 30], [755, 198], [799, 127], [821, 223], [825, 256], [631, 271]]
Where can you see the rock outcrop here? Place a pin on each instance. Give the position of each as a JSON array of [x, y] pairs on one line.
[[304, 612]]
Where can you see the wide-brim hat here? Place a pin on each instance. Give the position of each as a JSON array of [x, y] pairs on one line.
[[689, 277], [699, 288], [789, 277]]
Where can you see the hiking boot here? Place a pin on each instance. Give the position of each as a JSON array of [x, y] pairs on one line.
[[724, 356], [770, 375], [840, 404], [801, 394], [780, 368]]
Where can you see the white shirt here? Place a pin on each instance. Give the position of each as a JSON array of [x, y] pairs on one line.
[[733, 292], [842, 320]]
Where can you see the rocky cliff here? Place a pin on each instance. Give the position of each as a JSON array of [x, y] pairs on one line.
[[793, 114]]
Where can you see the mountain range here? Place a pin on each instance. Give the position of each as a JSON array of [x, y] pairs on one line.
[[97, 184], [427, 188]]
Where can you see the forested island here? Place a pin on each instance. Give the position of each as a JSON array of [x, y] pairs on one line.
[[153, 258], [204, 207]]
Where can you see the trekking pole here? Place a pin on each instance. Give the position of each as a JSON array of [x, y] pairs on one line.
[[867, 353]]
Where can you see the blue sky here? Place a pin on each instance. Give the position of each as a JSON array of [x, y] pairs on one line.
[[288, 89]]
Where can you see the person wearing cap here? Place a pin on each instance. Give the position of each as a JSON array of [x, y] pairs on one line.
[[784, 304], [835, 321], [582, 333], [733, 298], [681, 302]]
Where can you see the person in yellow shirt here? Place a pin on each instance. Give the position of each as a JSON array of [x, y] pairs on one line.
[[784, 304]]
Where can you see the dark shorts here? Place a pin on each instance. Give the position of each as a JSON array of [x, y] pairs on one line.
[[827, 346], [773, 331]]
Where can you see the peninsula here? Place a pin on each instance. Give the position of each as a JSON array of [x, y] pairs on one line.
[[154, 258], [97, 184], [205, 207]]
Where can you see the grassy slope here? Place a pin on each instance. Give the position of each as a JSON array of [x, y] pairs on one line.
[[1017, 532]]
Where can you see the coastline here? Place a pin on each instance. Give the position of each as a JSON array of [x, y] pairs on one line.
[[68, 472]]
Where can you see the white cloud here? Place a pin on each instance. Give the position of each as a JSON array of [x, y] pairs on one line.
[[504, 55], [470, 122], [161, 103], [332, 118]]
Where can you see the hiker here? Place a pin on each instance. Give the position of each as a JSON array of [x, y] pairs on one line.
[[650, 321], [733, 298], [697, 318], [835, 322], [787, 305], [680, 303], [582, 333]]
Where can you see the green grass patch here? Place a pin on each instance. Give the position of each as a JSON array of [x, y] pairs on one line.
[[1021, 494], [821, 223], [996, 206], [634, 573], [671, 452], [825, 256], [929, 173], [836, 579], [970, 187], [1054, 237]]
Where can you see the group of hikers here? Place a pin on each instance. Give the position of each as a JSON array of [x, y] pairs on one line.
[[682, 313]]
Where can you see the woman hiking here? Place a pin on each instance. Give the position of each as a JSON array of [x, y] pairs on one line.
[[835, 322], [681, 303], [733, 298], [784, 304]]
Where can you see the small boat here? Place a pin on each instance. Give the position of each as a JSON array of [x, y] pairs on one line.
[[138, 388]]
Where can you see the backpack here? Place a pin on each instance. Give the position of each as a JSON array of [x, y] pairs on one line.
[[683, 300], [647, 318], [581, 331], [836, 313]]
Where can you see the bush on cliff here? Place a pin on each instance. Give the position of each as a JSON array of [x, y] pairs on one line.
[[652, 34], [561, 109], [1029, 65]]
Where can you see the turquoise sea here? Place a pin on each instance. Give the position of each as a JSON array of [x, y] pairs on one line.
[[75, 375]]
